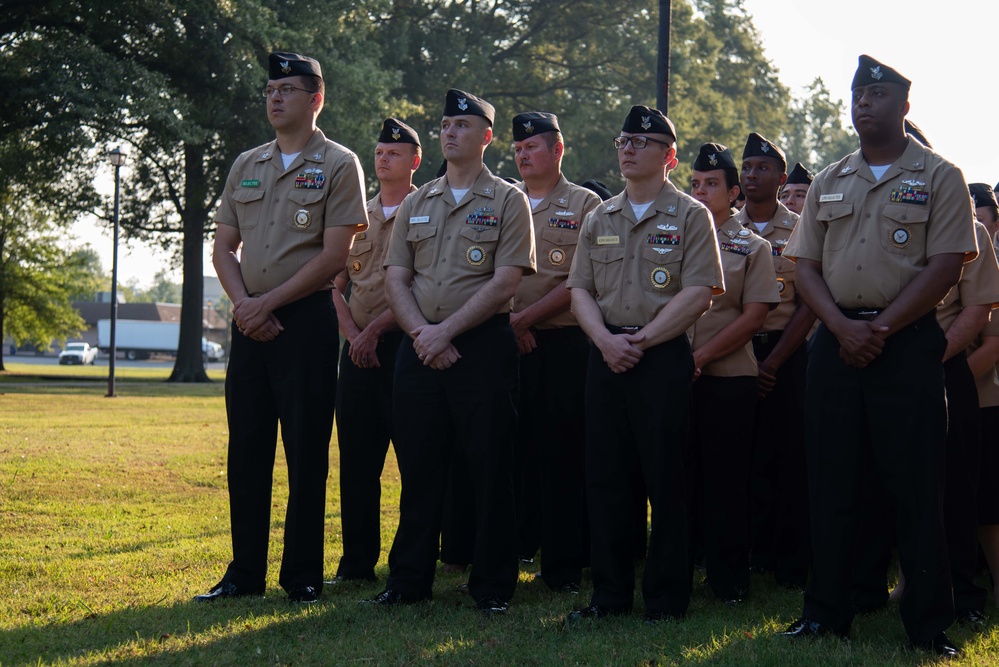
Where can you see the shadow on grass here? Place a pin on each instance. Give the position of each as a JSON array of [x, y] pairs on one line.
[[449, 630]]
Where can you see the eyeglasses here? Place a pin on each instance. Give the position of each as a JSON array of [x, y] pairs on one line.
[[285, 90], [638, 141]]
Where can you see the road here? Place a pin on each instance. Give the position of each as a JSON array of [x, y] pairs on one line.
[[103, 361]]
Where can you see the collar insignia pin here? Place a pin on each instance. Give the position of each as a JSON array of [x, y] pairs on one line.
[[317, 156], [671, 209]]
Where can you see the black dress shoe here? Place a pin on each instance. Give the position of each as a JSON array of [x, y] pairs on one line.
[[225, 589], [303, 594], [805, 628], [490, 606], [941, 645], [389, 598], [972, 618], [594, 612]]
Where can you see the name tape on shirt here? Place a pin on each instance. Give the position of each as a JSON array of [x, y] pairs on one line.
[[608, 240], [826, 198], [419, 219]]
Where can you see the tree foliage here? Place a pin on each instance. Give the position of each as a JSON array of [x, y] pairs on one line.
[[814, 133], [176, 84]]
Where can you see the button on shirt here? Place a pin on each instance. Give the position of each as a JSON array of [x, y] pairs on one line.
[[873, 237], [365, 265], [557, 221], [635, 267], [282, 213], [454, 248], [749, 274], [777, 232]]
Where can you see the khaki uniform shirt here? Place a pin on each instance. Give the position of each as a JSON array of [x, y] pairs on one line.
[[557, 220], [635, 267], [874, 237], [777, 232], [364, 265], [750, 277], [979, 285], [988, 384], [282, 213], [453, 248]]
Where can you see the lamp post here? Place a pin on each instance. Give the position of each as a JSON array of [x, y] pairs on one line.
[[117, 158]]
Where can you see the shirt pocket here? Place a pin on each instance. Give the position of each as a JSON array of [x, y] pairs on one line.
[[249, 206], [608, 263], [837, 219], [357, 262], [557, 247], [660, 271], [306, 210], [479, 247], [903, 229], [422, 237]]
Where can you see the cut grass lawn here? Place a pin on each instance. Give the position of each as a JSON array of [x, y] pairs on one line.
[[113, 514]]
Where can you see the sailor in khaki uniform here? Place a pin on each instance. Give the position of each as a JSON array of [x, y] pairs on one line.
[[289, 209], [646, 266], [459, 247], [982, 358], [367, 361], [553, 351], [881, 241], [726, 366], [792, 194], [779, 492]]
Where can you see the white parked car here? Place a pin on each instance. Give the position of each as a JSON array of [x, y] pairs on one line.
[[78, 353]]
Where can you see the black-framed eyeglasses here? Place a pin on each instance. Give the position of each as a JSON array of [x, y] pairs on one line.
[[285, 90], [638, 141]]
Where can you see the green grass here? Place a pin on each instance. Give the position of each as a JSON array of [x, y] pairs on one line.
[[113, 514]]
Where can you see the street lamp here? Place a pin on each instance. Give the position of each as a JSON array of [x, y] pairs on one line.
[[117, 159]]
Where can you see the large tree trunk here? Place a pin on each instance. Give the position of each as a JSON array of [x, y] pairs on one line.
[[190, 365]]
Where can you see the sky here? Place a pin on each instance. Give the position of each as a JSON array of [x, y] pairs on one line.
[[948, 48]]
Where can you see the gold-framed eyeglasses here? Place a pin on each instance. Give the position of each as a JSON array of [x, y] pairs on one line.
[[284, 90], [638, 141]]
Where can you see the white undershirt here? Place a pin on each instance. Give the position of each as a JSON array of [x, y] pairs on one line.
[[879, 171], [761, 225], [639, 209], [459, 194], [389, 211], [288, 159], [535, 202]]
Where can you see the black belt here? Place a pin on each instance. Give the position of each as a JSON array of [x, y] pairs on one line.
[[764, 337], [867, 314], [614, 329]]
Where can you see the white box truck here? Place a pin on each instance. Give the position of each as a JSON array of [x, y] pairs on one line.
[[139, 339]]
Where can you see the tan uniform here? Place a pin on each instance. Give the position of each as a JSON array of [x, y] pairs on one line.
[[282, 213], [749, 273], [557, 221], [365, 268], [873, 237], [777, 232], [979, 284], [635, 267], [452, 248]]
